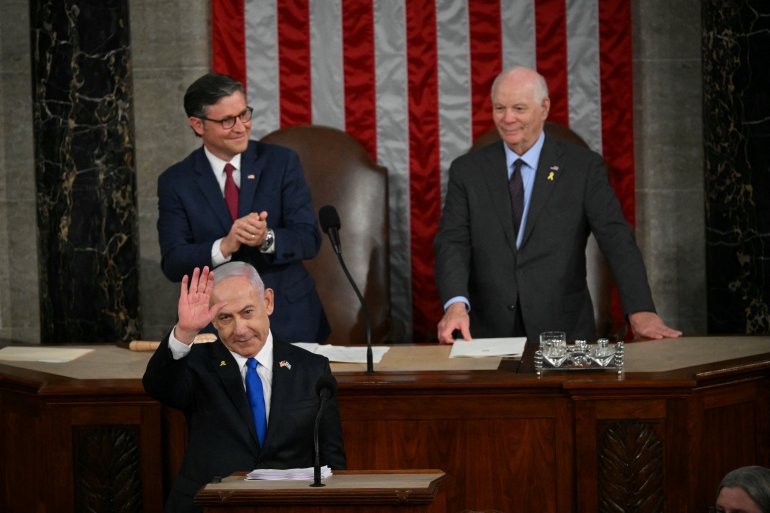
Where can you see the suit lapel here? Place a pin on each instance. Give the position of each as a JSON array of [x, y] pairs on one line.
[[549, 169], [282, 384], [497, 186], [251, 171], [209, 187], [232, 381]]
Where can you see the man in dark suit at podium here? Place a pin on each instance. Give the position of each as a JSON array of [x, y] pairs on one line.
[[236, 199], [510, 249], [250, 401]]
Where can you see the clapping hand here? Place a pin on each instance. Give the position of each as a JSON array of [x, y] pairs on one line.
[[194, 310]]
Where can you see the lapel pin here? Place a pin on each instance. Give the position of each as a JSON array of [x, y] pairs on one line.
[[284, 363], [222, 363], [250, 177], [552, 173]]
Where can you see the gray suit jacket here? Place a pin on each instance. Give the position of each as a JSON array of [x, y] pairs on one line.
[[476, 253]]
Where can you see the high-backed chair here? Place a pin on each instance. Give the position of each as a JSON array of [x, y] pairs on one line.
[[597, 271], [340, 173]]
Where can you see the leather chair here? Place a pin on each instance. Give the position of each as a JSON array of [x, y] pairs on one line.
[[598, 273], [340, 173]]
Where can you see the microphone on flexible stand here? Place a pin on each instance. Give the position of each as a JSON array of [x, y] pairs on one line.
[[330, 224], [325, 388]]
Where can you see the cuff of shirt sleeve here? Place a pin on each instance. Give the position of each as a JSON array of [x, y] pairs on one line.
[[178, 349], [217, 258], [458, 299]]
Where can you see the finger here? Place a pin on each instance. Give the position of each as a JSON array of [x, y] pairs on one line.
[[194, 281], [209, 283], [215, 309], [465, 330], [183, 292]]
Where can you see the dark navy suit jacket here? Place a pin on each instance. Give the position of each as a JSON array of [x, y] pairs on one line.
[[476, 254], [207, 386], [193, 215]]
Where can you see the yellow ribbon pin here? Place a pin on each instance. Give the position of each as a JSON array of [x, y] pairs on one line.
[[222, 363], [550, 177]]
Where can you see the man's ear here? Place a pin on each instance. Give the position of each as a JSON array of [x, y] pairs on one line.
[[197, 125], [546, 107], [269, 301]]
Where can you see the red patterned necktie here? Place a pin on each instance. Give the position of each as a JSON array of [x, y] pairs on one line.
[[516, 188], [231, 192]]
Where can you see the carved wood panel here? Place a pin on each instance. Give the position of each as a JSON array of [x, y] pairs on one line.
[[630, 468], [107, 467]]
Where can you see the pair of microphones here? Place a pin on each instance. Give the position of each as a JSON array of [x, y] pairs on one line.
[[327, 386]]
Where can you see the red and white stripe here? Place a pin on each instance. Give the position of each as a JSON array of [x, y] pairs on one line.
[[410, 80]]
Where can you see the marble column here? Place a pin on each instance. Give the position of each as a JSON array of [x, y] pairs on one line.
[[736, 81], [84, 169]]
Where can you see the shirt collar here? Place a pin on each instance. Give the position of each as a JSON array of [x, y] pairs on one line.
[[531, 157], [218, 165]]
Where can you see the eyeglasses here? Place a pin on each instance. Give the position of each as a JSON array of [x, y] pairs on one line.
[[229, 122]]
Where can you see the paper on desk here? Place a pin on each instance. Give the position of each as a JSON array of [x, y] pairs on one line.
[[271, 474], [479, 347], [42, 354], [344, 354]]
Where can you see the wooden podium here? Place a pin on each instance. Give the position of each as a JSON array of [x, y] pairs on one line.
[[402, 491]]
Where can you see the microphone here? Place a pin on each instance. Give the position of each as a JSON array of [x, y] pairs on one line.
[[330, 224], [325, 388]]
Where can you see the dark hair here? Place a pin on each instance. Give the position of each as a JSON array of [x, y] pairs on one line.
[[755, 480], [207, 90]]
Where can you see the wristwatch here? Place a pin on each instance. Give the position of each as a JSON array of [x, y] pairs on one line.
[[267, 244]]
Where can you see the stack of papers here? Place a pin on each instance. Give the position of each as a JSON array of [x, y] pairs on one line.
[[481, 347], [299, 474]]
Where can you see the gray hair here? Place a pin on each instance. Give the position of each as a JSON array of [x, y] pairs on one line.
[[541, 87], [754, 480], [242, 269]]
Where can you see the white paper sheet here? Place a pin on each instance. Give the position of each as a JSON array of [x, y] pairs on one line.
[[42, 354], [344, 354], [480, 347]]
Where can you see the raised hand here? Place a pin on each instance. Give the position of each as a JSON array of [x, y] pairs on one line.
[[193, 309]]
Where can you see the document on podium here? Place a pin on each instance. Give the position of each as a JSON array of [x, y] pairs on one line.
[[480, 347], [344, 354], [298, 474]]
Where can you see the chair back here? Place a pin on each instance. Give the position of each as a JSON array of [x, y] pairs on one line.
[[340, 173], [597, 271]]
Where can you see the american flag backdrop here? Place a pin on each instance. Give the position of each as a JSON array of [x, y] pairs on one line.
[[410, 80]]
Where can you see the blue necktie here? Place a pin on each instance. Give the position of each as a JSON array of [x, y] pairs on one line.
[[256, 398]]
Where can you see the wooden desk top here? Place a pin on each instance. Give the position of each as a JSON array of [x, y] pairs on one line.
[[117, 369]]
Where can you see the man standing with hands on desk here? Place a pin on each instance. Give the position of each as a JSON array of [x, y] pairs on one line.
[[250, 401], [236, 199], [510, 249]]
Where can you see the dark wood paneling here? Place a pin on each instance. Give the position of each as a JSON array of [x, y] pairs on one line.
[[563, 443]]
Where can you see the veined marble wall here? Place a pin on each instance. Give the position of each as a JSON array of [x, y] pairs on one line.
[[84, 171], [736, 80]]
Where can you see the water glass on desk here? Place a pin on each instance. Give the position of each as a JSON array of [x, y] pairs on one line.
[[553, 345]]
